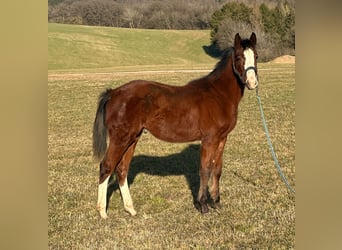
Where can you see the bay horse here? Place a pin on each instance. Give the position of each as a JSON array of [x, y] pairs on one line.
[[203, 110]]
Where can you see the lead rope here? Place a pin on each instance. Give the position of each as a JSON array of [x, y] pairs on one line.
[[271, 146]]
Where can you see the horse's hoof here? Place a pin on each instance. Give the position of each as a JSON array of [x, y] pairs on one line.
[[204, 208], [215, 204], [103, 214], [131, 211]]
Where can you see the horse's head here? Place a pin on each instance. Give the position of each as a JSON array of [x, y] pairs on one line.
[[245, 60]]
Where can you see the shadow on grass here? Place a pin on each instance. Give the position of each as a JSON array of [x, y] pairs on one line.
[[213, 50], [184, 163]]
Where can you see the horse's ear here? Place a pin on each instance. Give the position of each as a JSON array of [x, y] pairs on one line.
[[253, 38], [237, 40]]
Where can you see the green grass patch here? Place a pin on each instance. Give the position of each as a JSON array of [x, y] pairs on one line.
[[257, 211], [74, 47]]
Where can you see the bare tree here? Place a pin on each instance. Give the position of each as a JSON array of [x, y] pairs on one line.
[[133, 17]]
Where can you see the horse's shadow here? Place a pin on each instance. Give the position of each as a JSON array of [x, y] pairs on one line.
[[184, 163]]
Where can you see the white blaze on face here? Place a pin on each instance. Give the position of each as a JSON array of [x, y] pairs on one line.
[[250, 74]]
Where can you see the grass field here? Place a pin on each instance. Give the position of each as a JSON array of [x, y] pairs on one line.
[[74, 48], [257, 211]]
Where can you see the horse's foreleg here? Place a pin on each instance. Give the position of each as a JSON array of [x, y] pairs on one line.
[[214, 191], [216, 174], [207, 157], [202, 197]]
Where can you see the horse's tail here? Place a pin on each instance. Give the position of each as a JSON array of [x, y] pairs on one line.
[[99, 128]]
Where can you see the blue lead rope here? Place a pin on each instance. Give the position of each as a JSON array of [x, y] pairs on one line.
[[271, 146]]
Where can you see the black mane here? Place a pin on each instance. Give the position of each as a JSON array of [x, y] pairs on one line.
[[222, 64]]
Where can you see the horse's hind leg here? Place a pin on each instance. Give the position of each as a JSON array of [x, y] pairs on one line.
[[107, 166], [102, 196], [121, 173]]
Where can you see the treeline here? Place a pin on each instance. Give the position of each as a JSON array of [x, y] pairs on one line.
[[272, 20], [148, 14]]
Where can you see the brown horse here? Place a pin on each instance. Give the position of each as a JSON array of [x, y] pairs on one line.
[[204, 109]]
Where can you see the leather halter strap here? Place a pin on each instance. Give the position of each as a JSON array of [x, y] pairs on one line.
[[245, 71]]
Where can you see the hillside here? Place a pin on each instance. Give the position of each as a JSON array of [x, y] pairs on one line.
[[74, 47]]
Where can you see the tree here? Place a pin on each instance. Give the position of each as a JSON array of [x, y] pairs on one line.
[[279, 23], [133, 17], [237, 12], [289, 36]]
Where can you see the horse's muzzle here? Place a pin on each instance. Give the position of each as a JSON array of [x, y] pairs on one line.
[[251, 77]]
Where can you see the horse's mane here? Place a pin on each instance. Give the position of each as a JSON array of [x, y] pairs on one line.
[[222, 64], [218, 69]]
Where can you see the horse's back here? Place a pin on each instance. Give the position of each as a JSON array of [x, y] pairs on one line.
[[170, 113]]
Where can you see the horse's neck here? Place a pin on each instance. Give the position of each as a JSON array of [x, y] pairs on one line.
[[229, 85]]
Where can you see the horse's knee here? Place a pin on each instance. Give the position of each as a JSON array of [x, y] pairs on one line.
[[205, 173]]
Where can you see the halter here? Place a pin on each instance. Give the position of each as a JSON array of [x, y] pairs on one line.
[[245, 71]]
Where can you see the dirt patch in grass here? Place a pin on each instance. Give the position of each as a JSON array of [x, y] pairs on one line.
[[284, 59]]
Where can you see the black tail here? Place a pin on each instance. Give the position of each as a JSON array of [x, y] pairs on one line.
[[99, 128]]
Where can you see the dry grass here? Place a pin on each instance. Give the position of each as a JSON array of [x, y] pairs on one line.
[[257, 211]]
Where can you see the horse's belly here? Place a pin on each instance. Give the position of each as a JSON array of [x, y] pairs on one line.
[[170, 138], [174, 133]]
